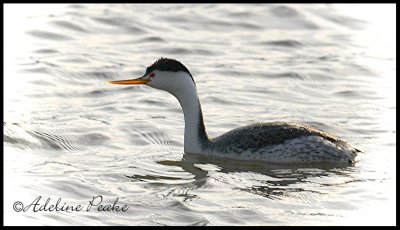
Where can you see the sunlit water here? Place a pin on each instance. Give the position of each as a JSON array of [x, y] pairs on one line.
[[69, 135]]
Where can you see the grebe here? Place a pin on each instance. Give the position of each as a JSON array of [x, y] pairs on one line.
[[274, 142]]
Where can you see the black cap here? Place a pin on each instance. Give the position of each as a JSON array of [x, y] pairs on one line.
[[167, 64]]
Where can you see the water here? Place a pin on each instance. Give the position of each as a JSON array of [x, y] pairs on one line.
[[69, 135]]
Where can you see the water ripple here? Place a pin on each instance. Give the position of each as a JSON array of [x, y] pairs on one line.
[[284, 11], [115, 21], [93, 139], [159, 174], [23, 138], [285, 43], [292, 75], [69, 25], [120, 22], [49, 35], [348, 93], [54, 141], [156, 138], [102, 75], [46, 51], [151, 39]]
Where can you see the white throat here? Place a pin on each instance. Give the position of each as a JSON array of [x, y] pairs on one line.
[[195, 134]]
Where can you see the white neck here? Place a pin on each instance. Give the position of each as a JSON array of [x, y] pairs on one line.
[[196, 137]]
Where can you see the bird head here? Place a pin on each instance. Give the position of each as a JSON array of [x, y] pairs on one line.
[[164, 74]]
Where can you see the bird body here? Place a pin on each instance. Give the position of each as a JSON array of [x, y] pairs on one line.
[[275, 142], [282, 142]]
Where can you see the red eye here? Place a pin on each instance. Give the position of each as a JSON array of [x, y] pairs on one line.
[[152, 75]]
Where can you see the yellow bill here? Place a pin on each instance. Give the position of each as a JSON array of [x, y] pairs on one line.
[[130, 82]]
